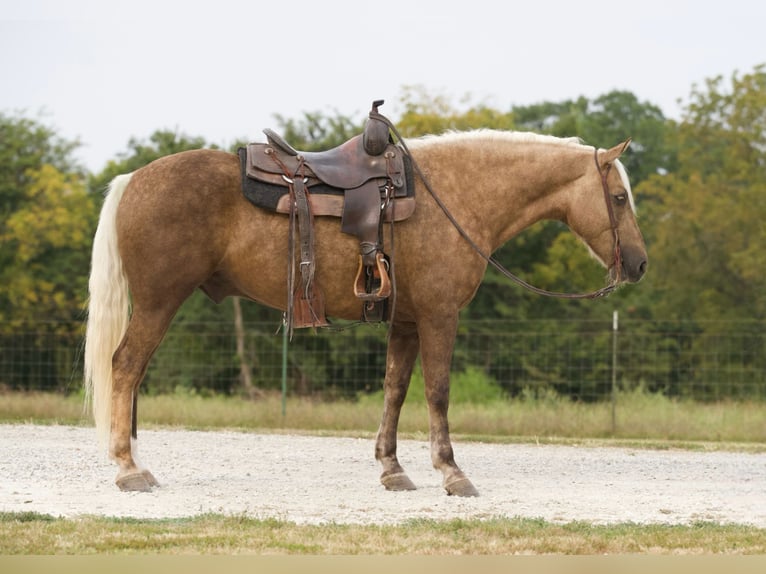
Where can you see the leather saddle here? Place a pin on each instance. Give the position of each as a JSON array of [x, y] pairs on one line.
[[365, 181]]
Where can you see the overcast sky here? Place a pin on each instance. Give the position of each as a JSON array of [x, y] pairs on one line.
[[105, 71]]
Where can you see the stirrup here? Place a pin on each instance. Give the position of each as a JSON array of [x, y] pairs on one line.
[[384, 289]]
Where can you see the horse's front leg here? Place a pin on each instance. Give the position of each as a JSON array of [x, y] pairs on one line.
[[437, 341], [400, 359]]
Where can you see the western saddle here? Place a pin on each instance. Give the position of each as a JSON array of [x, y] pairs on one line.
[[366, 181]]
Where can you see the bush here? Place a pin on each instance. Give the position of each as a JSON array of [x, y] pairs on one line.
[[471, 386]]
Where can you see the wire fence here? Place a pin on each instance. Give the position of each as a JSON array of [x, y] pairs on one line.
[[585, 361]]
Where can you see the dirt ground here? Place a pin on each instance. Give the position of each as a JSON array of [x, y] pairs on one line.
[[61, 470]]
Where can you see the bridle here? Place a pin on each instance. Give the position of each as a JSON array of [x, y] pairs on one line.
[[617, 260]]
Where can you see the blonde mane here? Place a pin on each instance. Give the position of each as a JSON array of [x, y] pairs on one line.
[[485, 134]]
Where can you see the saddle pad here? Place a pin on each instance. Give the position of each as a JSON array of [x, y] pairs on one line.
[[325, 199]]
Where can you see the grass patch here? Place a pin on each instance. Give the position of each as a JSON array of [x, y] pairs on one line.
[[215, 534], [639, 417]]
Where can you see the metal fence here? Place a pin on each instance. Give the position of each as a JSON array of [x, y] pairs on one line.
[[586, 361]]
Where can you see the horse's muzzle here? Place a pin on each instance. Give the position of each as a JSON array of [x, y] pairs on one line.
[[634, 265]]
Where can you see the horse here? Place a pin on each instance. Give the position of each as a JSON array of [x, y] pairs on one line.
[[181, 223]]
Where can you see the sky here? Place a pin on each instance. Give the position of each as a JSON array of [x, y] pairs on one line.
[[103, 72]]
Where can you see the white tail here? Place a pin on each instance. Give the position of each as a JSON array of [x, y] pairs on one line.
[[108, 310]]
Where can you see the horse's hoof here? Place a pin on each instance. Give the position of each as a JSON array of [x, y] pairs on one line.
[[135, 482], [461, 487], [149, 478], [397, 481]]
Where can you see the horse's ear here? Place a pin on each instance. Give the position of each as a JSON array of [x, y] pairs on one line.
[[612, 154], [625, 145]]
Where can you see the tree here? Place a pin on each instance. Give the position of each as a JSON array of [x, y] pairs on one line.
[[615, 116], [435, 114], [561, 119], [707, 218], [606, 121], [141, 153], [46, 244], [26, 144], [317, 132], [45, 228], [47, 219]]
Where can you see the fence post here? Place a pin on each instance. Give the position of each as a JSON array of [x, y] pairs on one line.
[[615, 328]]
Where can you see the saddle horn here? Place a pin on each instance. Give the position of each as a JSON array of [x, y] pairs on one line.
[[376, 136]]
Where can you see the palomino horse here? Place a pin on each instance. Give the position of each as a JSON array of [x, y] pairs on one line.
[[182, 223]]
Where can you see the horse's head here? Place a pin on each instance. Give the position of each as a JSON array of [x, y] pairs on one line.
[[603, 216]]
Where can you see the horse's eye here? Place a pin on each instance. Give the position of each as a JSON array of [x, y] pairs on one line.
[[621, 198]]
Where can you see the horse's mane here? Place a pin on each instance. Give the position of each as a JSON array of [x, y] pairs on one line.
[[485, 134]]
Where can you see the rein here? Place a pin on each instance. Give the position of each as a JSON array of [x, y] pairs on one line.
[[617, 261]]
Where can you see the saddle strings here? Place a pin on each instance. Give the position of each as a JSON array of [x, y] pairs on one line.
[[496, 264]]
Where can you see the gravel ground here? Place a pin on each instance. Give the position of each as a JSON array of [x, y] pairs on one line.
[[60, 470]]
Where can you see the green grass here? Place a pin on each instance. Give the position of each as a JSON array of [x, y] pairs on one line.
[[28, 533], [639, 417]]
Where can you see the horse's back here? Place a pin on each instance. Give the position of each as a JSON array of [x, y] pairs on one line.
[[184, 182]]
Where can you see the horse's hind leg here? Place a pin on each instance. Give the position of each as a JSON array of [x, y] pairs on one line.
[[129, 365], [402, 352]]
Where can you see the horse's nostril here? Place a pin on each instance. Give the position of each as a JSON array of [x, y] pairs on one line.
[[642, 268]]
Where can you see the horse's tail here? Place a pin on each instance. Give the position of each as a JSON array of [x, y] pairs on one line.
[[108, 310]]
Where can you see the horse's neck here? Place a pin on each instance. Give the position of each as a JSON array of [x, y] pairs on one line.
[[505, 186]]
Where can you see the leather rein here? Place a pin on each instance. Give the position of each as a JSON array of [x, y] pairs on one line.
[[617, 260]]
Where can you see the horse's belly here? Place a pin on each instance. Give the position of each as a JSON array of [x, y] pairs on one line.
[[257, 263]]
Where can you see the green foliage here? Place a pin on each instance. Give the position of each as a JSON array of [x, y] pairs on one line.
[[46, 242], [29, 535], [707, 218], [45, 221], [425, 113], [141, 153], [616, 116], [27, 144], [471, 386], [700, 185], [643, 418], [561, 119], [46, 224], [605, 122], [316, 132]]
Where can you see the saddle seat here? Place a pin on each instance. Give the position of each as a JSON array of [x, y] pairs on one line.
[[346, 167]]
